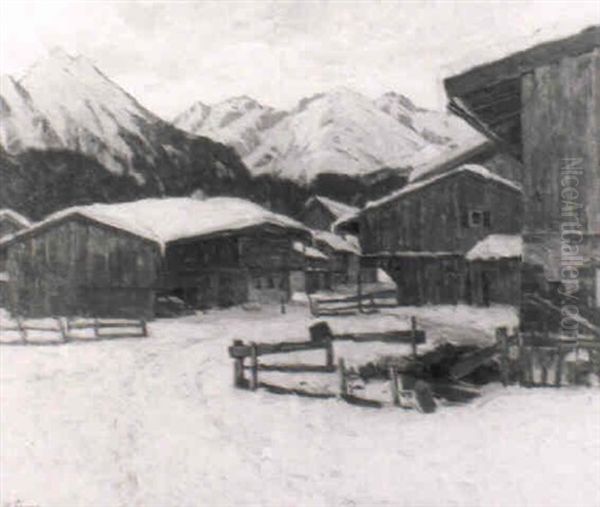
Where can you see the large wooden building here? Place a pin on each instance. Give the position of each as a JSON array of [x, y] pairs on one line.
[[542, 105], [113, 259], [421, 233]]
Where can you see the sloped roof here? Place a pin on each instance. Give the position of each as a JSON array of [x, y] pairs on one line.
[[466, 168], [523, 61], [338, 209], [171, 219], [309, 251], [336, 242], [16, 217], [496, 246]]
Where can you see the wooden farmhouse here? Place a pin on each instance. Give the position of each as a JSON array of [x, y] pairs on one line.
[[421, 233], [542, 105], [321, 213], [111, 260]]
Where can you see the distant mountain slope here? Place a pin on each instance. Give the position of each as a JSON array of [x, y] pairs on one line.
[[339, 132], [237, 122], [67, 105]]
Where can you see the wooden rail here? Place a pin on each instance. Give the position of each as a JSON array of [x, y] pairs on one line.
[[352, 304], [64, 327], [241, 351]]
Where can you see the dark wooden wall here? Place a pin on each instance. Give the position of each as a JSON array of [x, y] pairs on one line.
[[433, 218], [317, 216], [79, 267], [224, 270], [495, 282], [428, 280], [561, 127]]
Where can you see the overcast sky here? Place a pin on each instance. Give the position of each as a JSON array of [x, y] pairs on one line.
[[171, 54]]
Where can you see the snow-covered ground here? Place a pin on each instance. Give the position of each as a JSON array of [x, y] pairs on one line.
[[156, 422]]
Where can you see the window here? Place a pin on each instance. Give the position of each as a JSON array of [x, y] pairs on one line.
[[258, 283], [476, 218], [270, 282]]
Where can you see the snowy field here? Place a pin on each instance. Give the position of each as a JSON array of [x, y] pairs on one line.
[[155, 422]]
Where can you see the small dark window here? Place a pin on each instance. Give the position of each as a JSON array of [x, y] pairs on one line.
[[475, 218], [270, 282], [258, 283]]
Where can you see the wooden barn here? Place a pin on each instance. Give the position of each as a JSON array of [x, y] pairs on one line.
[[542, 105], [420, 234], [495, 270], [113, 259], [321, 213]]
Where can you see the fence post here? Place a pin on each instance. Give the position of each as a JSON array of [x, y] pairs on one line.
[[502, 340], [96, 328], [559, 365], [522, 360], [144, 328], [328, 352], [22, 330], [282, 304], [343, 381], [394, 385], [254, 367], [238, 368], [61, 327], [413, 335], [359, 291]]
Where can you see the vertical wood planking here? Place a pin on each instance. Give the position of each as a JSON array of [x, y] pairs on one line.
[[254, 367]]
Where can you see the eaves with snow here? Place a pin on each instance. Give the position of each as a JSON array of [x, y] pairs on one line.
[[166, 220], [497, 246]]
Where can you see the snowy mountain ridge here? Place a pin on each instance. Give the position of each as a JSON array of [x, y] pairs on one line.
[[65, 102], [340, 131]]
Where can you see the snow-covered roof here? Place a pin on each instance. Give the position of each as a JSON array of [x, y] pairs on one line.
[[497, 246], [309, 251], [336, 242], [16, 217], [471, 146], [171, 219], [338, 209], [466, 168]]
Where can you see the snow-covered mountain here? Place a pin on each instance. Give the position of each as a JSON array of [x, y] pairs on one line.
[[340, 131], [21, 124], [237, 122], [65, 102], [436, 127], [64, 116]]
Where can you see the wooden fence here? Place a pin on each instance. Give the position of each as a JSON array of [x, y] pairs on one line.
[[321, 339], [64, 330], [538, 359], [352, 304], [241, 351]]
